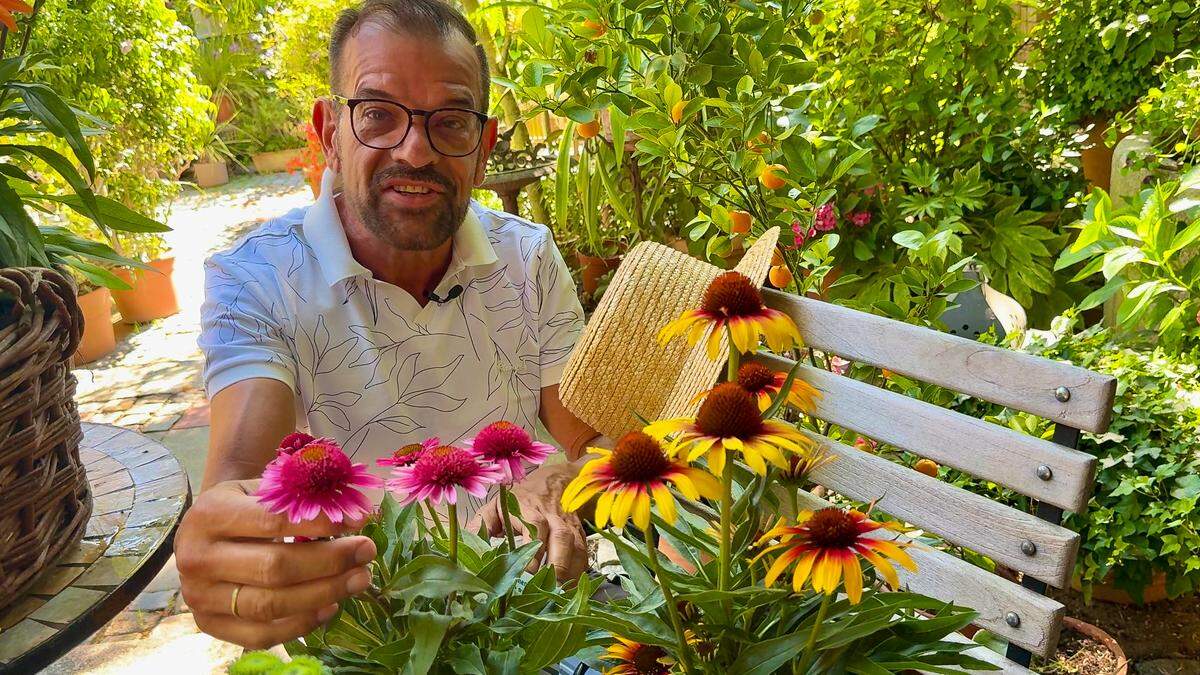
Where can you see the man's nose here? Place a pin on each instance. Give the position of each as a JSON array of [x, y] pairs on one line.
[[415, 150]]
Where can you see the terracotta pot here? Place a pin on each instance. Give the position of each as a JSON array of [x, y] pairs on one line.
[[225, 108], [274, 162], [594, 268], [1088, 630], [153, 293], [98, 336], [210, 174], [1097, 158], [1106, 591]]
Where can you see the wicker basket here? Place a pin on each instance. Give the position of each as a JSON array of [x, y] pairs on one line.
[[45, 501]]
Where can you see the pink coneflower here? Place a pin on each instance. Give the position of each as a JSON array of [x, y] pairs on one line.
[[314, 478], [293, 442], [438, 474], [409, 454], [509, 446]]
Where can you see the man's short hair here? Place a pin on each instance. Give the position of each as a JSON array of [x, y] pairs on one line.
[[420, 18]]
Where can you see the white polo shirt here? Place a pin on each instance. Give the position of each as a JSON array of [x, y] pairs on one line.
[[369, 365]]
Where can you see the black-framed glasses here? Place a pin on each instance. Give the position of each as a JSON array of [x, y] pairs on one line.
[[382, 124]]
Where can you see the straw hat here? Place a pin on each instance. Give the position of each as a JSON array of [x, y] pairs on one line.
[[618, 369]]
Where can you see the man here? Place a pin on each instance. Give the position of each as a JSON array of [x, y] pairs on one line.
[[391, 311]]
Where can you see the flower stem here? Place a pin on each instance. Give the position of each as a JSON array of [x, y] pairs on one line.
[[669, 600], [795, 500], [809, 649], [735, 357], [437, 521], [508, 532], [726, 526], [452, 514]]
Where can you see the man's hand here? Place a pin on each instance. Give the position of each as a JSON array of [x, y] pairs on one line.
[[540, 499], [227, 538]]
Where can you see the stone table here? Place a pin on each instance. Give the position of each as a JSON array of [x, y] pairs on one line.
[[508, 184], [139, 494]]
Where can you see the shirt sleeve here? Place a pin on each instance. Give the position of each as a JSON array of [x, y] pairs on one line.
[[240, 332], [560, 316]]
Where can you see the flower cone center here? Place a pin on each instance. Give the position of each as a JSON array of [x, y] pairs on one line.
[[638, 458], [729, 412], [832, 528], [502, 440], [755, 378], [446, 465], [645, 659], [318, 469], [408, 454], [732, 294]]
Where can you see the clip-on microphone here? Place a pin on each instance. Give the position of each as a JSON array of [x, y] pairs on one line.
[[453, 293]]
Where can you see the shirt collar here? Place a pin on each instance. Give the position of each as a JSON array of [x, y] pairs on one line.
[[323, 230]]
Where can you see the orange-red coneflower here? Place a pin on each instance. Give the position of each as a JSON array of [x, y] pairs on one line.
[[764, 385], [732, 301], [8, 7], [631, 476], [635, 658], [729, 419], [825, 547]]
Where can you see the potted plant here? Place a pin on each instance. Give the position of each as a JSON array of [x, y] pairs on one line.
[[1117, 45], [151, 293], [40, 318], [211, 169], [271, 131], [311, 161], [443, 600]]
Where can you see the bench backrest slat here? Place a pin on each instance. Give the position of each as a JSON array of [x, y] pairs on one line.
[[1002, 376]]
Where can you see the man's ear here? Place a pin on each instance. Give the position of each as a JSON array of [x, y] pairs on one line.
[[485, 149], [324, 121]]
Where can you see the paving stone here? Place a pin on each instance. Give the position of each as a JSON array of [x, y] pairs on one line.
[[190, 447], [195, 417], [155, 601], [167, 578], [117, 405], [1169, 667], [131, 621], [160, 423], [175, 646]]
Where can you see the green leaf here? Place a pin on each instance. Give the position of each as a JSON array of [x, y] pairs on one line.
[[1116, 259], [432, 576], [427, 630], [25, 233], [562, 177], [113, 214], [465, 659], [848, 163], [507, 662], [765, 657], [1182, 240], [864, 125], [578, 113], [1101, 295], [504, 571], [910, 239], [59, 119]]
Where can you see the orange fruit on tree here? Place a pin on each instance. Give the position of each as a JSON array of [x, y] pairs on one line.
[[593, 28], [927, 467], [677, 111], [780, 276], [777, 258], [769, 176], [739, 222], [589, 129]]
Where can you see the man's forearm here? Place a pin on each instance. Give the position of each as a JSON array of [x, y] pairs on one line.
[[249, 419]]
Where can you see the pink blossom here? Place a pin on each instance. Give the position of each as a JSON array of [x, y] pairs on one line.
[[861, 218], [317, 477], [802, 235], [839, 365], [410, 453], [825, 220], [866, 444], [438, 474], [293, 442], [509, 446]]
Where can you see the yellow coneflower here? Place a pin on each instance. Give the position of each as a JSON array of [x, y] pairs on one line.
[[825, 547], [764, 384], [729, 419], [635, 658], [732, 301], [632, 475]]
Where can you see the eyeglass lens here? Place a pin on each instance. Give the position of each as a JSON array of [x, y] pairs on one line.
[[382, 125]]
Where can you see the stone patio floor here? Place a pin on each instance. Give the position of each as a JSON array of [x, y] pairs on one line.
[[152, 383]]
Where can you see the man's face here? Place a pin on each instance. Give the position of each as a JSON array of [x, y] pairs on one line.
[[420, 73]]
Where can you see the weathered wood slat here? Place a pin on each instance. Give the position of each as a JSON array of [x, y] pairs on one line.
[[960, 517], [945, 577], [982, 449], [1002, 376]]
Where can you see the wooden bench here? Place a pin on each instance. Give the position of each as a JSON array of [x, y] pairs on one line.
[[1053, 473]]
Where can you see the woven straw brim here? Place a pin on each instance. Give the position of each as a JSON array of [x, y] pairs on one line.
[[618, 370]]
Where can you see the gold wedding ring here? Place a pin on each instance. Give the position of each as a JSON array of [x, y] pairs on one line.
[[233, 601]]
